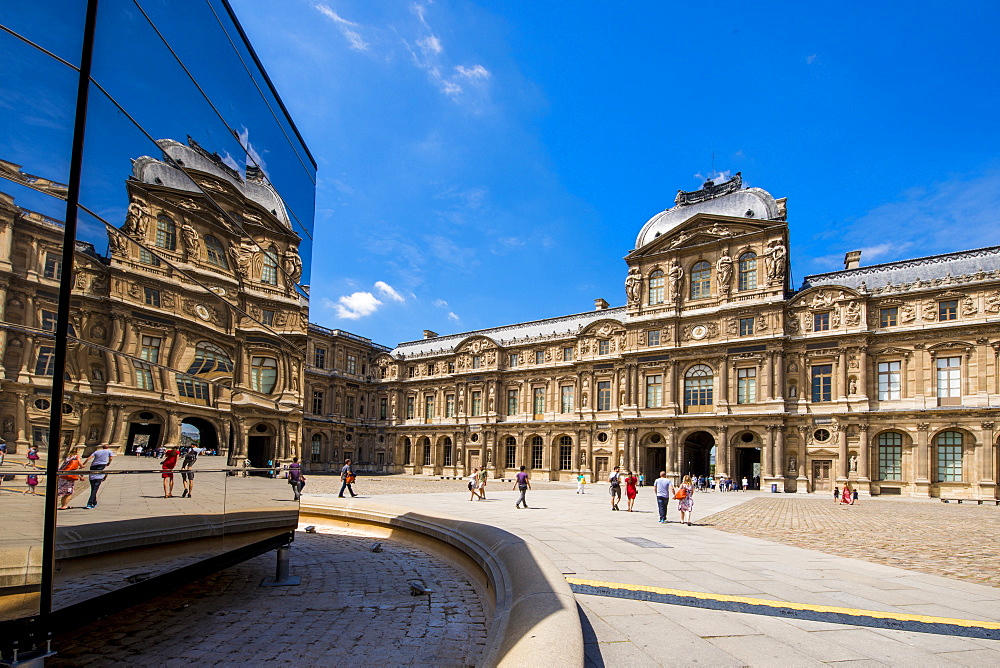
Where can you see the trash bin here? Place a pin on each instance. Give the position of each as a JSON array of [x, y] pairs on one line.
[[774, 488]]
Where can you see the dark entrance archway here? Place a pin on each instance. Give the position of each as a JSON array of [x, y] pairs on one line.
[[696, 454], [201, 432], [747, 465], [145, 432], [260, 446], [656, 457]]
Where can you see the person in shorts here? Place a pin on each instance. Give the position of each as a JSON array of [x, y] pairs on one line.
[[616, 487], [187, 475]]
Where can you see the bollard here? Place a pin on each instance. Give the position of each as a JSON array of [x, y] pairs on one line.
[[282, 569]]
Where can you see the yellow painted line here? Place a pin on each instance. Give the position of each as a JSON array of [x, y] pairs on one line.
[[877, 614]]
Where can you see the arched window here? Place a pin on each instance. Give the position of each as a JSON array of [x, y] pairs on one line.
[[166, 233], [890, 456], [210, 360], [701, 280], [269, 272], [216, 252], [748, 271], [698, 389], [656, 287], [263, 374], [949, 456]]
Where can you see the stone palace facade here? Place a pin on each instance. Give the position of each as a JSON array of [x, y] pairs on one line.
[[881, 376]]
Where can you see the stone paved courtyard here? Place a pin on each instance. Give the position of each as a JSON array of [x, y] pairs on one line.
[[353, 608], [951, 540]]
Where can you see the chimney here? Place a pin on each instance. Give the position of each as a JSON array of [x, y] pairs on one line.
[[428, 334], [852, 260], [600, 304]]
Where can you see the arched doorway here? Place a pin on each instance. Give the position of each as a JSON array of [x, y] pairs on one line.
[[656, 457], [260, 445], [145, 430], [746, 460], [200, 432], [697, 453]]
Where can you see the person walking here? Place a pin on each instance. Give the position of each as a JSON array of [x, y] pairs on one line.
[[631, 483], [33, 457], [296, 479], [662, 486], [854, 498], [581, 483], [616, 487], [642, 480], [167, 472], [3, 452], [347, 479], [685, 499], [746, 483], [474, 484], [187, 475], [836, 495], [68, 481], [99, 460], [483, 477], [846, 496], [32, 482], [521, 484]]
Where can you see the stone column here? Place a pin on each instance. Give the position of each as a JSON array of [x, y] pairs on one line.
[[841, 376], [922, 487], [768, 376], [22, 437], [672, 447], [780, 467], [864, 460], [722, 452], [863, 388], [842, 458], [985, 470], [767, 460], [801, 479], [670, 387], [724, 384]]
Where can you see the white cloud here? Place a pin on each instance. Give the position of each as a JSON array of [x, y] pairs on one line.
[[356, 305], [452, 316], [253, 157], [810, 59], [440, 303], [430, 45], [389, 291], [353, 37], [474, 72], [428, 54]]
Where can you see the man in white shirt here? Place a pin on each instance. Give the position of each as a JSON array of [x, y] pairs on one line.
[[663, 488]]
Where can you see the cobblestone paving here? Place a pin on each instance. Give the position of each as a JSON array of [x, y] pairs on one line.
[[941, 539], [353, 607], [376, 485]]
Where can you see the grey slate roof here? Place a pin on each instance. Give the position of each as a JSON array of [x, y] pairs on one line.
[[906, 271], [511, 334]]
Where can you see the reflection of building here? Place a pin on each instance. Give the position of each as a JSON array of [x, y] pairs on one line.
[[883, 376], [203, 287]]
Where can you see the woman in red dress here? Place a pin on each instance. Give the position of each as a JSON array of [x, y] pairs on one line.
[[167, 466], [846, 496], [631, 489]]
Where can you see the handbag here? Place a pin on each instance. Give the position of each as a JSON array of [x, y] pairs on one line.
[[681, 494], [349, 478]]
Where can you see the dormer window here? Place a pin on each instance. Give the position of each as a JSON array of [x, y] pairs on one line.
[[748, 271], [166, 233], [656, 287]]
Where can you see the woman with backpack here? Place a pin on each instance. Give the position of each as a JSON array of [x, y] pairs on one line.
[[685, 500]]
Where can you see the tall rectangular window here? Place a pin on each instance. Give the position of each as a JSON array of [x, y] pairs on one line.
[[477, 361], [512, 402], [746, 326], [603, 347], [539, 356], [427, 455], [317, 402], [48, 321], [536, 456], [948, 310], [263, 374], [319, 358], [566, 399], [447, 455], [890, 456], [451, 367], [949, 456], [565, 457], [510, 459], [822, 382], [430, 369], [477, 402], [746, 386], [888, 317], [821, 321], [949, 380], [53, 266], [513, 360], [352, 364], [350, 406], [653, 337], [604, 395], [449, 405], [267, 318], [407, 454], [889, 381], [383, 408], [151, 297], [429, 407], [45, 366], [538, 402], [567, 354], [654, 391], [410, 407]]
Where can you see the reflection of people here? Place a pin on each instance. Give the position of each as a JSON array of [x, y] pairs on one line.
[[347, 478], [67, 482], [33, 457], [167, 472], [295, 478], [187, 475], [32, 483], [99, 460], [522, 484]]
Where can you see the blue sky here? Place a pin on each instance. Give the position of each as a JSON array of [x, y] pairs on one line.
[[485, 163]]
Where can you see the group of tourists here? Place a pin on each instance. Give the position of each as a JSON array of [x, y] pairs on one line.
[[664, 490], [846, 498], [477, 484]]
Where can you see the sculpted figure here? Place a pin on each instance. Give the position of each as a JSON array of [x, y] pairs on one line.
[[676, 276], [724, 269], [136, 220], [189, 236], [117, 243], [633, 286], [292, 264], [241, 260], [792, 463], [776, 262]]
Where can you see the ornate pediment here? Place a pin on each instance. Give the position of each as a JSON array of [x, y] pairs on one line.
[[701, 229]]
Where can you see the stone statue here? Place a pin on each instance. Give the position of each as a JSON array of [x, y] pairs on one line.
[[676, 275], [775, 261], [292, 264], [854, 462], [189, 236], [792, 391], [852, 386], [8, 425], [724, 268], [633, 286], [136, 220], [117, 243], [241, 260], [792, 464]]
